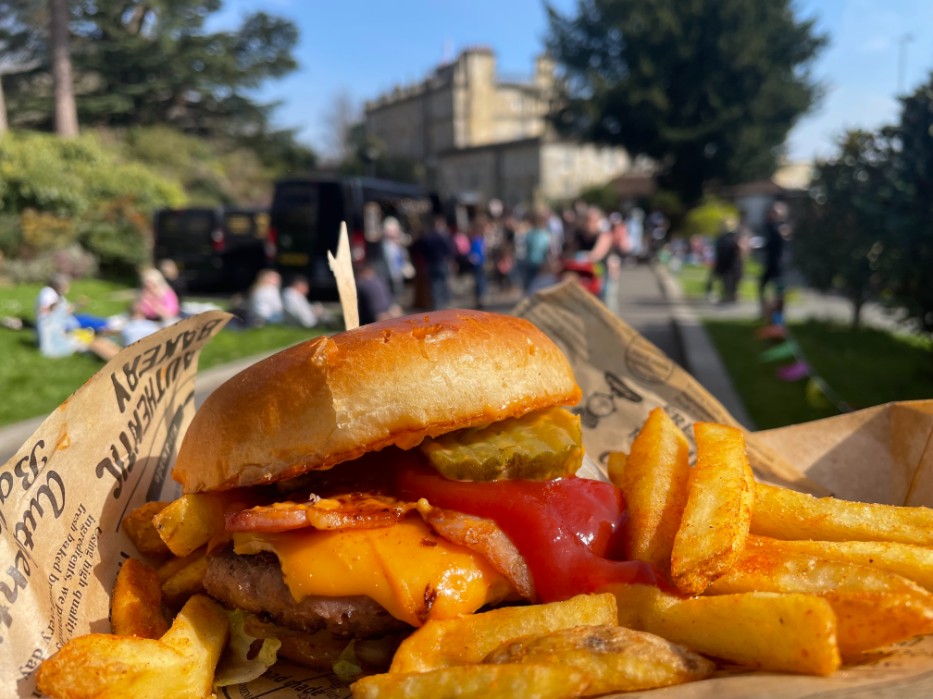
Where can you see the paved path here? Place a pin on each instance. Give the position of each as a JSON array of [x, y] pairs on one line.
[[804, 304]]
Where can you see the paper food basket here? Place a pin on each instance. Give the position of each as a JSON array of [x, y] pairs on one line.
[[111, 446]]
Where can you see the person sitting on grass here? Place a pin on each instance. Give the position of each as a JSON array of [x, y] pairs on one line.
[[374, 297], [157, 301], [265, 300], [296, 309], [137, 326], [53, 294], [58, 335]]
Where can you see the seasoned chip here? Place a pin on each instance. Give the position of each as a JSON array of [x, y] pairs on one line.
[[136, 603], [612, 658]]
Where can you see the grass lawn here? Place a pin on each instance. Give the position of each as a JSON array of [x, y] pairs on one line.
[[32, 385], [862, 368], [693, 281]]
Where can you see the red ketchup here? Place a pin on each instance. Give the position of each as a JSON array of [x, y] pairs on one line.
[[567, 530]]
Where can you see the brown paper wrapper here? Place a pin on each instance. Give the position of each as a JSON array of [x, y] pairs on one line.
[[111, 446]]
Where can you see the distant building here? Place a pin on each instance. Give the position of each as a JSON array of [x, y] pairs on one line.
[[482, 136]]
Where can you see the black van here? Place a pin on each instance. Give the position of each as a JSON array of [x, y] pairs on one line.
[[216, 249], [306, 214]]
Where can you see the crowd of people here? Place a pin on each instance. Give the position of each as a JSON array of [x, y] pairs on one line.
[[62, 330], [492, 255], [728, 252], [519, 252]]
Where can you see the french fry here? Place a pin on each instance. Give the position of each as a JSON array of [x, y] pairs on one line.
[[192, 520], [786, 514], [758, 630], [468, 639], [187, 581], [180, 664], [612, 658], [716, 518], [615, 466], [913, 562], [136, 602], [487, 681], [173, 565], [873, 607], [654, 483], [139, 528]]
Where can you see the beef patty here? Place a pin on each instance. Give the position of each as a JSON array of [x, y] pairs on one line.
[[255, 584]]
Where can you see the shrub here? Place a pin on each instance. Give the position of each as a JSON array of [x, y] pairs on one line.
[[11, 234], [707, 219], [54, 192], [73, 260], [43, 231], [119, 235]]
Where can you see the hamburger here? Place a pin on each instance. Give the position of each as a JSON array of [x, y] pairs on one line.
[[412, 469]]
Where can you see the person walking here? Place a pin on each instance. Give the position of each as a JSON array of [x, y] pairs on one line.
[[477, 258], [436, 250], [777, 233], [727, 261], [538, 245]]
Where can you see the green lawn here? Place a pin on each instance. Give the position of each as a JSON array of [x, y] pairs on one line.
[[32, 385], [861, 368]]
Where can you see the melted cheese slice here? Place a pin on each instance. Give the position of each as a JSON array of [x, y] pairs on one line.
[[408, 569]]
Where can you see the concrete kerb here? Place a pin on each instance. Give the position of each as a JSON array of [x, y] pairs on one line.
[[700, 356]]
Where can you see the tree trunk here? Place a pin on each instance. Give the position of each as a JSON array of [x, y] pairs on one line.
[[857, 302], [4, 124], [66, 113]]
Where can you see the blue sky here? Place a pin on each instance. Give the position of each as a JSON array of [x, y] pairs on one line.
[[365, 47]]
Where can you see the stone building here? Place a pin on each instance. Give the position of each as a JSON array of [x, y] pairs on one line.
[[482, 136]]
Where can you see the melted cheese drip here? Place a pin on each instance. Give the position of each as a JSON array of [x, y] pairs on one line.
[[408, 569]]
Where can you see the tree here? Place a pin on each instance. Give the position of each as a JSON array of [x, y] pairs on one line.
[[844, 239], [21, 42], [139, 63], [912, 215], [66, 112], [340, 116], [708, 88]]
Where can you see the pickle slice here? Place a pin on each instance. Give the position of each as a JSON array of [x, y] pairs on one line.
[[541, 445]]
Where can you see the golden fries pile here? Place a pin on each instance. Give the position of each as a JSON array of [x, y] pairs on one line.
[[145, 656], [778, 580], [563, 649], [760, 577]]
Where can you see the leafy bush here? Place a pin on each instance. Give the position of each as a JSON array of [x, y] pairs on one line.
[[54, 192], [43, 231], [11, 234], [707, 219], [211, 172], [118, 234], [604, 196], [73, 260]]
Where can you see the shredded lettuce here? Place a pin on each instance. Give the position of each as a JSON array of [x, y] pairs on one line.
[[246, 657], [347, 666]]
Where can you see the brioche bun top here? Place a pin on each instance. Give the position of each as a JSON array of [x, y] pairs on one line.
[[394, 382]]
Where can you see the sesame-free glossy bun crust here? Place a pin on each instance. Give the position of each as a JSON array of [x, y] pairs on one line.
[[395, 382]]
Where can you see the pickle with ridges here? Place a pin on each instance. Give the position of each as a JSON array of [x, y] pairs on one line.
[[541, 445]]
